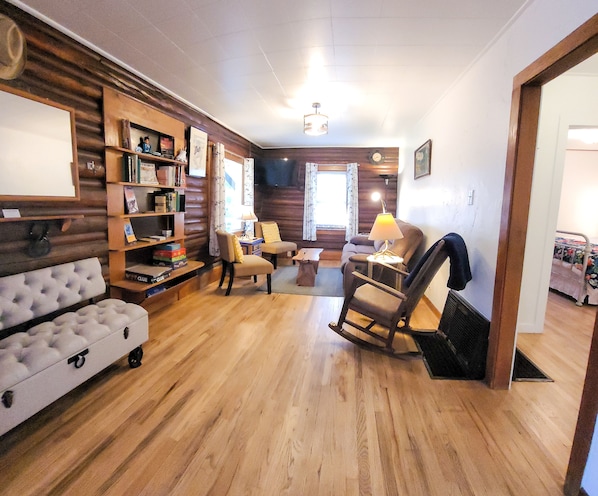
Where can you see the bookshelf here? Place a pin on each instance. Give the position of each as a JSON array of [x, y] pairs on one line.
[[145, 215]]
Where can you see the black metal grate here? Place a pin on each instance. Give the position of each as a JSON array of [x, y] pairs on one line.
[[459, 349]]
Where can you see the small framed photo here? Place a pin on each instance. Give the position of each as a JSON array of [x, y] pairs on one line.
[[166, 146], [198, 152], [422, 160]]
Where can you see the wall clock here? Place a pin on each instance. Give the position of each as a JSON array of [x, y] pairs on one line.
[[376, 157]]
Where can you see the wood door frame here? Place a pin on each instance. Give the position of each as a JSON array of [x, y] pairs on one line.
[[523, 128]]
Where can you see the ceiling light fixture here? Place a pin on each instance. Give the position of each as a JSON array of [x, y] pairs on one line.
[[315, 124]]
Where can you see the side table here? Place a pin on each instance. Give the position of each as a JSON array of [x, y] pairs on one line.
[[387, 259], [251, 246]]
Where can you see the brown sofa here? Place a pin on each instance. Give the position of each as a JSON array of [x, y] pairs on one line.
[[355, 252]]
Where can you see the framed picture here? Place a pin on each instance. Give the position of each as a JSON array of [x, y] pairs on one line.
[[166, 146], [198, 152], [422, 160]]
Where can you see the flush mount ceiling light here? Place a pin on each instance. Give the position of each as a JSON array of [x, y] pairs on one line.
[[315, 124]]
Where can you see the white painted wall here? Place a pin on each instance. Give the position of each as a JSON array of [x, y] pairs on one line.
[[469, 128], [566, 101], [578, 207], [589, 481]]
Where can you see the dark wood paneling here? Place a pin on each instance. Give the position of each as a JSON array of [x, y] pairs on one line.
[[285, 205], [64, 71], [61, 70]]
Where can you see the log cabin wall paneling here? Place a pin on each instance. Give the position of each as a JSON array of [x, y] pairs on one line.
[[285, 204], [62, 70]]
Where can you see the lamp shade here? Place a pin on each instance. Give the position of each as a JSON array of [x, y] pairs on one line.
[[247, 213], [315, 124], [385, 228]]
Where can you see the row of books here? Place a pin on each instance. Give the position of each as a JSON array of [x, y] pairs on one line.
[[136, 170], [168, 201]]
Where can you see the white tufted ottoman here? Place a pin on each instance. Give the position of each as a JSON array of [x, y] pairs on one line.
[[50, 359]]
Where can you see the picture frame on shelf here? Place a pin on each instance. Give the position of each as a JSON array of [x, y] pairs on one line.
[[166, 146], [198, 152], [422, 160]]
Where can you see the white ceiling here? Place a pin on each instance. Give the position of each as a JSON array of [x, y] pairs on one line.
[[256, 66]]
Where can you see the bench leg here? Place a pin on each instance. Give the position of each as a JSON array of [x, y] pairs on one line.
[[135, 357]]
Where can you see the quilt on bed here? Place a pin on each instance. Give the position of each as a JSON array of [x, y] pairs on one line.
[[571, 251]]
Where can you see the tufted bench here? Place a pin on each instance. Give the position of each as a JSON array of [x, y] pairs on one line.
[[47, 360]]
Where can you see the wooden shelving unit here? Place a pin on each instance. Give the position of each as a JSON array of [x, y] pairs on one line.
[[147, 221]]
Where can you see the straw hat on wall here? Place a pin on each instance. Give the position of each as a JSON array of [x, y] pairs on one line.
[[13, 49]]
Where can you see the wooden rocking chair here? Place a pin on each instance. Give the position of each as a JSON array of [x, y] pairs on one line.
[[388, 308]]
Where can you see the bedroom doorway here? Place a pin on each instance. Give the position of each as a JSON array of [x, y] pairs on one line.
[[578, 46]]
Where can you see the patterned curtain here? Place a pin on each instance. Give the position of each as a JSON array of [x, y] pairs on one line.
[[309, 206], [248, 182], [217, 203], [352, 201]]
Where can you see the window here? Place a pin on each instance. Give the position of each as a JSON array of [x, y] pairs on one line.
[[331, 200], [233, 195]]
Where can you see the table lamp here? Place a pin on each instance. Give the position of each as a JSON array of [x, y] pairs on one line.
[[247, 216], [384, 229]]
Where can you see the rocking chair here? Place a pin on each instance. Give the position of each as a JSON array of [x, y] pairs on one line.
[[388, 310]]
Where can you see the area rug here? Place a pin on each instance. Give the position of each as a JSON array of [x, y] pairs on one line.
[[329, 282], [525, 370]]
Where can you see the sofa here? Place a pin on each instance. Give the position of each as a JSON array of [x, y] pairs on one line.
[[44, 352], [355, 252]]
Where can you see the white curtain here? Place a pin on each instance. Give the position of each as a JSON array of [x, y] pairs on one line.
[[248, 181], [352, 201], [309, 206], [217, 202]]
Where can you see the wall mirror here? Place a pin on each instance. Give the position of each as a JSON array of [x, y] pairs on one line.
[[38, 153]]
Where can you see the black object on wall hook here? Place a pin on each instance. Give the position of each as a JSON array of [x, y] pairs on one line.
[[39, 244]]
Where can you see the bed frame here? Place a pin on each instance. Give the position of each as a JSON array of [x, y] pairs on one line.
[[567, 277]]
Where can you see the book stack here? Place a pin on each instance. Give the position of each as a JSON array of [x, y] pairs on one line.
[[147, 273], [171, 255]]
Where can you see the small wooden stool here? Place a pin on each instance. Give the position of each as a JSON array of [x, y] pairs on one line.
[[309, 259]]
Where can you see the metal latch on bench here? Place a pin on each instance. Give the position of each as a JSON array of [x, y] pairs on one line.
[[79, 359]]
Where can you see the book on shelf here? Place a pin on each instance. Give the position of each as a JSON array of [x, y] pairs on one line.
[[170, 246], [129, 233], [131, 205], [147, 273], [173, 265], [178, 258], [147, 173], [158, 252], [160, 202]]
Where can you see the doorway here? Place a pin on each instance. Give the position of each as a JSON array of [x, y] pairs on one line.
[[525, 109]]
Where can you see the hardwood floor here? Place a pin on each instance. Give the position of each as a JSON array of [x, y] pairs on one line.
[[253, 394]]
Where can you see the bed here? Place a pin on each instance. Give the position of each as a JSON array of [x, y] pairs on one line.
[[572, 252]]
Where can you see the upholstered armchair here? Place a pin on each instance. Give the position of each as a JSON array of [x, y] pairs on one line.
[[237, 264], [273, 245], [356, 251]]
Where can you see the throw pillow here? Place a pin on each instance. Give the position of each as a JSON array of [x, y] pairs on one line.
[[271, 232], [238, 250]]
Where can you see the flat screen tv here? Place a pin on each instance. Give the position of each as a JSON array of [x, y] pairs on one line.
[[275, 172], [39, 155]]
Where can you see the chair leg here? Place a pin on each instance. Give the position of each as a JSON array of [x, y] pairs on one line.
[[269, 283], [255, 278], [274, 260], [230, 279], [224, 267], [293, 254]]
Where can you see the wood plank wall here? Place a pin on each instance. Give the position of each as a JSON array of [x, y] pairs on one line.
[[285, 205], [64, 71]]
